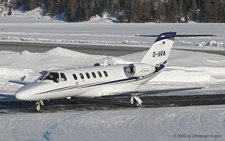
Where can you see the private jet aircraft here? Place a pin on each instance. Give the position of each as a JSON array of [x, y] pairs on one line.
[[102, 80]]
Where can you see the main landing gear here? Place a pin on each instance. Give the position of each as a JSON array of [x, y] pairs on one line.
[[37, 105], [73, 100], [135, 101]]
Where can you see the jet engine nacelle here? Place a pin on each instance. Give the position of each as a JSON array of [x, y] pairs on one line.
[[138, 70]]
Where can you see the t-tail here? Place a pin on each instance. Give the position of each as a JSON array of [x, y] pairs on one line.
[[159, 52]]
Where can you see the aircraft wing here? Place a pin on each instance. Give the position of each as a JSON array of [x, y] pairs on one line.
[[19, 82], [149, 92]]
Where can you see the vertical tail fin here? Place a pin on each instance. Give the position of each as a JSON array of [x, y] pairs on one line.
[[160, 50]]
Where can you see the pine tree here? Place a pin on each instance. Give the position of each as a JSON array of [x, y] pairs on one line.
[[184, 6], [180, 14], [26, 5], [171, 11], [174, 11], [62, 5], [144, 12], [193, 11], [215, 10], [32, 4], [70, 10], [207, 11], [86, 10], [118, 11], [221, 12], [17, 3], [159, 11], [49, 7], [79, 11]]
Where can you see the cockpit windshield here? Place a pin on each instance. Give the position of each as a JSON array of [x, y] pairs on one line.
[[43, 73], [52, 76]]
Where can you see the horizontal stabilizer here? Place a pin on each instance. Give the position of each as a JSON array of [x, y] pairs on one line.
[[200, 35]]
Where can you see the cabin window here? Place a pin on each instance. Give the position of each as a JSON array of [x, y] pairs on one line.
[[88, 75], [81, 76], [99, 74], [106, 74], [75, 76], [52, 76], [94, 75], [63, 77]]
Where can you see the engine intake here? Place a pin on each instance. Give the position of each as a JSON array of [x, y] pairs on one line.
[[138, 70]]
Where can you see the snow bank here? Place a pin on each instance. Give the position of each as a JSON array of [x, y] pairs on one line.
[[216, 44], [13, 74], [14, 65], [212, 43], [102, 42], [107, 18], [62, 52], [183, 76]]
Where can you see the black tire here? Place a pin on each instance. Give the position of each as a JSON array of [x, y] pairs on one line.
[[73, 100], [136, 104], [37, 106]]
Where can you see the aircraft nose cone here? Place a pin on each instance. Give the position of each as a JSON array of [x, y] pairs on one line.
[[20, 96], [27, 92]]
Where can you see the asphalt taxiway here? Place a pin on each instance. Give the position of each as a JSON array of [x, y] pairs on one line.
[[63, 105], [89, 49]]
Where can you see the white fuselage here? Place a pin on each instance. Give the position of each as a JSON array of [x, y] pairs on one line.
[[91, 82], [98, 81]]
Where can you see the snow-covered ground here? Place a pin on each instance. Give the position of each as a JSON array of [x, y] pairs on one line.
[[112, 34], [183, 69], [159, 124]]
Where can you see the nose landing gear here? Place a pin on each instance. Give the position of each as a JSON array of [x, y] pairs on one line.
[[37, 105]]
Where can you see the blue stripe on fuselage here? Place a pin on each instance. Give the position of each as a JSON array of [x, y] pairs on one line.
[[90, 85], [99, 84]]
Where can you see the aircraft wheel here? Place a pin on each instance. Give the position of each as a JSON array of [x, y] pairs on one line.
[[37, 106], [73, 100], [136, 104]]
